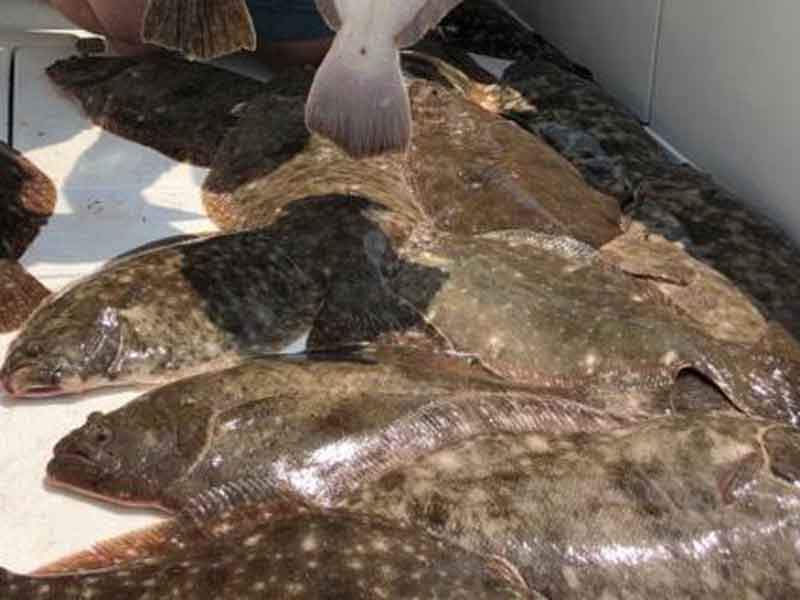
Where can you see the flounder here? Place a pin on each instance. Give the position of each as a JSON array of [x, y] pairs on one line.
[[547, 310], [27, 199], [315, 428], [608, 144], [177, 107], [694, 507], [294, 553], [153, 317], [467, 171]]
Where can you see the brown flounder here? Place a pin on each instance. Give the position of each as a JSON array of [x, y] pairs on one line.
[[695, 507], [294, 553], [313, 428], [318, 271], [177, 107], [546, 310], [27, 199], [467, 171]]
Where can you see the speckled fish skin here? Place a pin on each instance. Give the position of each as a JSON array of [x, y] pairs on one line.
[[307, 556], [696, 507], [161, 315], [315, 428], [467, 171], [616, 155], [706, 296], [27, 199], [567, 318], [178, 107]]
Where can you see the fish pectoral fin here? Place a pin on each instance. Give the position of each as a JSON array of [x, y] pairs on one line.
[[199, 28], [149, 542], [330, 14], [360, 104], [426, 19]]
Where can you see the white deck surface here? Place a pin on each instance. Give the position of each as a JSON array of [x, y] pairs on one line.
[[113, 195]]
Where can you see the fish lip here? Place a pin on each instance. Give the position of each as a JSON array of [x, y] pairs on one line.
[[63, 485], [72, 458], [10, 379]]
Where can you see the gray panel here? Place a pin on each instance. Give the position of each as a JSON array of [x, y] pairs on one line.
[[21, 15], [5, 83], [614, 38], [727, 95]]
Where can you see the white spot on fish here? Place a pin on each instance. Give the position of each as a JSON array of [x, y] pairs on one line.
[[298, 346], [669, 358], [252, 540], [309, 543]]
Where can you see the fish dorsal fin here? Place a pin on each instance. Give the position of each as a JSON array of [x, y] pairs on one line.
[[199, 28], [231, 508], [426, 18], [151, 541], [330, 14]]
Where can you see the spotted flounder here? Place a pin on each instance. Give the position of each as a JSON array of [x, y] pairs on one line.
[[547, 310], [694, 507], [317, 428], [293, 554], [318, 271], [27, 199]]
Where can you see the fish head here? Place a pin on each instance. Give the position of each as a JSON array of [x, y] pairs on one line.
[[130, 456], [58, 354]]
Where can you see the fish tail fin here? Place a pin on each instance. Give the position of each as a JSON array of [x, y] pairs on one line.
[[359, 100], [20, 294], [199, 28]]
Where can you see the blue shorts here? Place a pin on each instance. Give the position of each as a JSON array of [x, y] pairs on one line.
[[287, 20]]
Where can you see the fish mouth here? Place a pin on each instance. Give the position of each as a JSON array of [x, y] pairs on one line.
[[54, 482], [24, 382]]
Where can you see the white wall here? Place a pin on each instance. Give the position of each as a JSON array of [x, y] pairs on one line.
[[725, 81], [615, 38], [21, 15], [727, 94]]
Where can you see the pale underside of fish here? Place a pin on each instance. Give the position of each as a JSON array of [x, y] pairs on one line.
[[358, 98]]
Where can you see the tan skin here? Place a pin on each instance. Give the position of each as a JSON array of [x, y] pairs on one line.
[[122, 27]]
